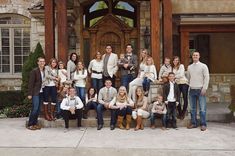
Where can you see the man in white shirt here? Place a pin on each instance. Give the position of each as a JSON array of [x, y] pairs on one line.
[[198, 75], [171, 96]]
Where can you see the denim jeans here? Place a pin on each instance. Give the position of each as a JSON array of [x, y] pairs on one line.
[[50, 91], [36, 105], [146, 84], [124, 111], [100, 109], [126, 79], [194, 96], [81, 92], [153, 117], [97, 84], [184, 90]]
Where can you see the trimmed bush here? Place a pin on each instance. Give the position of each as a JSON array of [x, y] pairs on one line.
[[10, 98]]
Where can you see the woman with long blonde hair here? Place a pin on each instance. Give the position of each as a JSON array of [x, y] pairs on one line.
[[123, 105]]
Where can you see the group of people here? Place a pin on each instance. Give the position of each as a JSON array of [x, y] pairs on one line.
[[65, 90]]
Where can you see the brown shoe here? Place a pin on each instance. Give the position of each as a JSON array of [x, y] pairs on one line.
[[203, 128], [31, 128], [191, 126], [37, 127]]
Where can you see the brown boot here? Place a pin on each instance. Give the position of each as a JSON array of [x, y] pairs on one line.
[[138, 122], [141, 123], [120, 120], [128, 121], [46, 116], [52, 112]]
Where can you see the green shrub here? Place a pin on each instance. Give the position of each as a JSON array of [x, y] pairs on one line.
[[10, 98], [28, 66]]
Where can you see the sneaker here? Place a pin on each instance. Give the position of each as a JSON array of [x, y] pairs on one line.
[[66, 130], [203, 128]]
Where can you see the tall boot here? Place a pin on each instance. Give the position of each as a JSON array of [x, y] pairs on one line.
[[52, 112], [128, 121], [138, 122], [120, 120], [46, 116], [141, 123]]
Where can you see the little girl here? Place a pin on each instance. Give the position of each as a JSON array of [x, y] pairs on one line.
[[80, 76], [150, 74], [91, 101]]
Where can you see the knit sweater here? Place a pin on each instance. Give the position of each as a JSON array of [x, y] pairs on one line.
[[198, 76]]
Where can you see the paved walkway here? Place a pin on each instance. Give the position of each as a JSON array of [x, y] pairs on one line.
[[15, 139]]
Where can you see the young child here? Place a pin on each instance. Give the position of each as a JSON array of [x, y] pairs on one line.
[[165, 70], [158, 111], [171, 96], [72, 106], [62, 73], [91, 101], [150, 74], [62, 93]]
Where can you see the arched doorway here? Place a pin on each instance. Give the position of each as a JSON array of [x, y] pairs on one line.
[[111, 22]]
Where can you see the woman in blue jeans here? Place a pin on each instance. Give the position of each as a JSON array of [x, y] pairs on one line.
[[80, 77], [91, 101]]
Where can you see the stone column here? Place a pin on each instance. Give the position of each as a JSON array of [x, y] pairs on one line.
[[49, 29], [62, 30]]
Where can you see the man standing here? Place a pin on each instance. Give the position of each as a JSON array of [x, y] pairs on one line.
[[106, 95], [110, 65], [198, 75], [128, 69], [35, 86]]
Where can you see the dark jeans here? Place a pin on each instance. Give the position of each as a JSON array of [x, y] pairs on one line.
[[184, 90], [67, 115], [146, 84], [109, 78], [50, 91], [171, 113], [124, 111], [36, 105], [81, 92], [154, 116], [126, 79], [97, 84], [195, 96], [100, 109]]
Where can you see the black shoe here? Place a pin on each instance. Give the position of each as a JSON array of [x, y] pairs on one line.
[[99, 127], [112, 127]]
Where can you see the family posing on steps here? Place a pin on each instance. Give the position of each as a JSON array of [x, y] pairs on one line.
[[65, 90]]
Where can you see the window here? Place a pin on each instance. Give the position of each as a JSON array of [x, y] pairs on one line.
[[14, 43]]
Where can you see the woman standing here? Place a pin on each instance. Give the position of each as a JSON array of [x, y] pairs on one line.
[[95, 68], [50, 89], [138, 81], [71, 66], [123, 106], [80, 76], [141, 109], [182, 82]]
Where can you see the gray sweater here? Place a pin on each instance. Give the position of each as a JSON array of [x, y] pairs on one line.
[[198, 76]]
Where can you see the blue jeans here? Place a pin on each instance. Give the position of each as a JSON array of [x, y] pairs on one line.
[[36, 105], [153, 117], [81, 92], [50, 91], [195, 95], [100, 109], [97, 84], [146, 84], [126, 79]]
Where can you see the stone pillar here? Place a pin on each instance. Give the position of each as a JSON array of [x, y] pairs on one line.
[[49, 29], [62, 30], [167, 29], [184, 46], [155, 32]]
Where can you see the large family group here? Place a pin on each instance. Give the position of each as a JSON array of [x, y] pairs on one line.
[[64, 89]]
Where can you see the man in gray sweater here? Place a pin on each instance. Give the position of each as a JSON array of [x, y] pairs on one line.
[[198, 75]]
